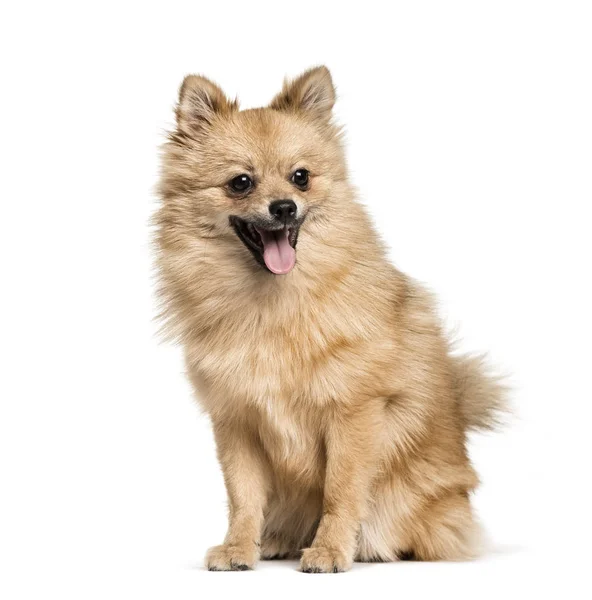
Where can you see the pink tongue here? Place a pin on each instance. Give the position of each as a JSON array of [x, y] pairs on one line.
[[278, 255]]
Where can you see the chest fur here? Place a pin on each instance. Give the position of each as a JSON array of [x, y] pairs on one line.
[[292, 442], [258, 357]]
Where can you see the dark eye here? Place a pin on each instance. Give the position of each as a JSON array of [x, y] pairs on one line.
[[241, 183], [300, 178]]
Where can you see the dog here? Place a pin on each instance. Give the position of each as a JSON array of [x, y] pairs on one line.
[[339, 408]]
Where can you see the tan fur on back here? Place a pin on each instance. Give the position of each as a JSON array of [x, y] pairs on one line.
[[339, 411]]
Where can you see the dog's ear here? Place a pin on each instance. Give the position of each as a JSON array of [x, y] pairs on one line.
[[200, 100], [313, 93]]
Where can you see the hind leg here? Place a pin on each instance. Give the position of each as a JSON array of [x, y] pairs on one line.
[[445, 530], [290, 524], [277, 547]]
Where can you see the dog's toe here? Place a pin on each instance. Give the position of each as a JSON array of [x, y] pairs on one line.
[[324, 560], [232, 558]]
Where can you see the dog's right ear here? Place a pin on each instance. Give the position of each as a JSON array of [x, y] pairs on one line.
[[200, 101]]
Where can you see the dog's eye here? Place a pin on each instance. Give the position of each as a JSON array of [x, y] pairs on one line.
[[300, 178], [241, 183]]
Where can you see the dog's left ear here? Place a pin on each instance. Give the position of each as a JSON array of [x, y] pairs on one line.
[[313, 93]]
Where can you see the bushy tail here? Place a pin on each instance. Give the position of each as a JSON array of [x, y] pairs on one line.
[[482, 395]]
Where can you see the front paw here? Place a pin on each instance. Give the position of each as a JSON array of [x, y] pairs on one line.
[[232, 558], [324, 560]]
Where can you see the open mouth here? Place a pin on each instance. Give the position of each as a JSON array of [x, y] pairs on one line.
[[275, 249]]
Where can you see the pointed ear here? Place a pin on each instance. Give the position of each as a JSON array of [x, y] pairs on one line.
[[200, 100], [312, 93]]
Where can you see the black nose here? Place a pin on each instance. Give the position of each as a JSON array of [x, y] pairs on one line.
[[283, 210]]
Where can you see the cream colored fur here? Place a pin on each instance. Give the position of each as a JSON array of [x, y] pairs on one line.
[[339, 411]]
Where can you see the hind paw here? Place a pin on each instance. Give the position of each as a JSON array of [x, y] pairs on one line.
[[275, 548]]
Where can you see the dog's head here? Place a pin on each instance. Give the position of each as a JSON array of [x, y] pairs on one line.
[[256, 178]]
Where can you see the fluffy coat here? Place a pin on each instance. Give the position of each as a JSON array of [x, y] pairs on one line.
[[340, 412]]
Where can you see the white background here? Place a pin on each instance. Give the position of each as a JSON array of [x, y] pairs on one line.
[[470, 139]]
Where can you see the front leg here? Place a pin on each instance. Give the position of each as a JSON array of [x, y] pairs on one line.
[[352, 441], [247, 486]]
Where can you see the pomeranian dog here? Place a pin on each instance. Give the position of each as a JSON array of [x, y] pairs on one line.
[[340, 412]]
